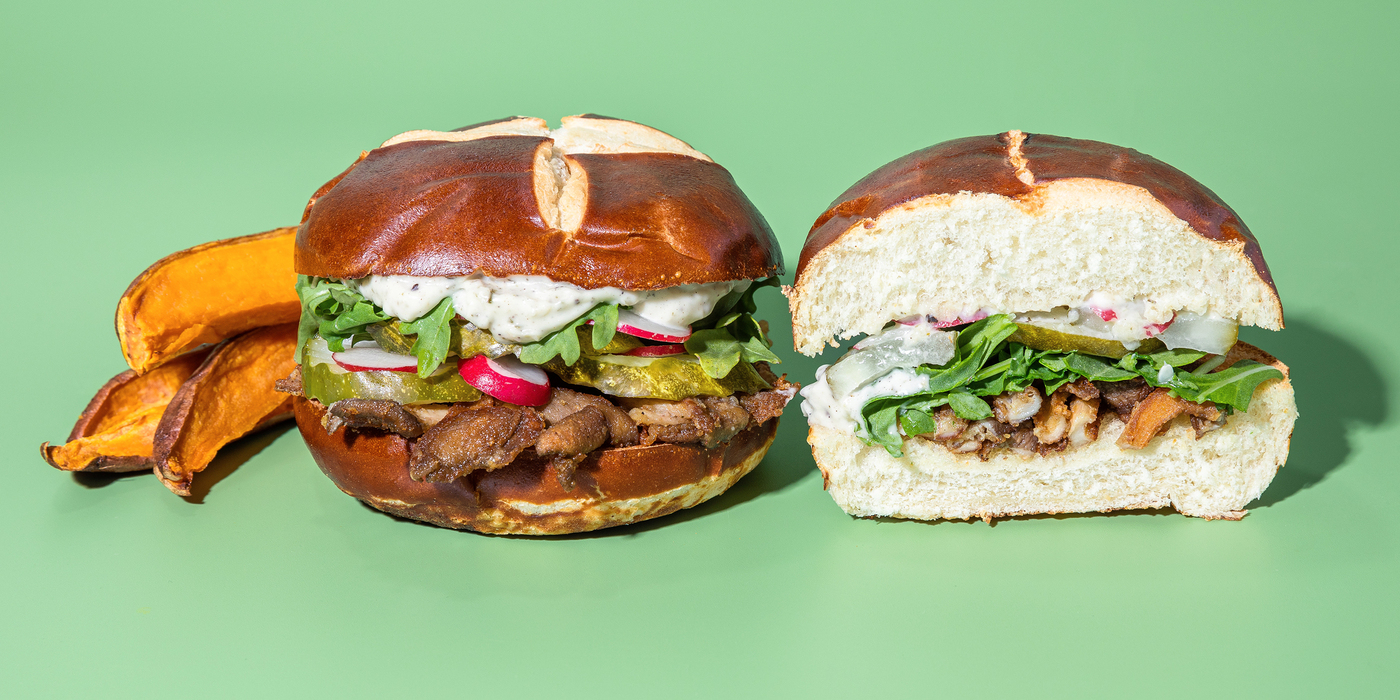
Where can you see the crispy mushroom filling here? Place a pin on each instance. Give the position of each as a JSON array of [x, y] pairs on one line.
[[450, 441]]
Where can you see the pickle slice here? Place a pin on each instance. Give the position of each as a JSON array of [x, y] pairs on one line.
[[324, 384], [672, 378], [469, 343], [390, 338], [1042, 338]]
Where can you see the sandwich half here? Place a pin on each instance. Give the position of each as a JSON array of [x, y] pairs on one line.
[[1051, 328]]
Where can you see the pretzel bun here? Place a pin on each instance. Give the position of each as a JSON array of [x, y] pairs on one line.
[[613, 486], [1023, 222], [598, 202]]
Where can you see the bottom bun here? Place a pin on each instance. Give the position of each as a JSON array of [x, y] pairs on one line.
[[615, 486], [1213, 477]]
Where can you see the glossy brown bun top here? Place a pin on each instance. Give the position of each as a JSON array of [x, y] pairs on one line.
[[1015, 164], [597, 202]]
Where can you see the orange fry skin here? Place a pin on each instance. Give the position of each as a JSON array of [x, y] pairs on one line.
[[229, 396], [115, 433], [207, 294]]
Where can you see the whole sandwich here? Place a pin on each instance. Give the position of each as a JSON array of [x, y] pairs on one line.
[[513, 329], [1051, 329]]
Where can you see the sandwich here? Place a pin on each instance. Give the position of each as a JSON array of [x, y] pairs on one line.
[[1050, 327], [513, 329]]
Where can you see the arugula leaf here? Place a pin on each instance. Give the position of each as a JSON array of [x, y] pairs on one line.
[[433, 337], [334, 311], [1234, 386], [917, 422], [735, 336], [604, 320], [1095, 369], [564, 342], [967, 406], [975, 346]]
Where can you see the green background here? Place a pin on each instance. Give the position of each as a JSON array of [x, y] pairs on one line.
[[131, 130]]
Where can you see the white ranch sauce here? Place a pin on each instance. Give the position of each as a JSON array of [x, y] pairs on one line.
[[526, 308], [822, 407]]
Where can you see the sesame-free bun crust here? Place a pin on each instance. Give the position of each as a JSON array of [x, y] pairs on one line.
[[1023, 222], [597, 202], [613, 486], [1214, 477]]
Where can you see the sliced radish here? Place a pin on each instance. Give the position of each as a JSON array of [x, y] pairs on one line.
[[1105, 314], [958, 321], [366, 356], [914, 320], [647, 329], [508, 379], [656, 350], [1153, 329]]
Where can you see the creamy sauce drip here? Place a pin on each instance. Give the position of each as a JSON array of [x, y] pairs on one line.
[[526, 308]]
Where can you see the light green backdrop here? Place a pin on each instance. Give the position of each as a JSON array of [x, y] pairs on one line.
[[131, 130]]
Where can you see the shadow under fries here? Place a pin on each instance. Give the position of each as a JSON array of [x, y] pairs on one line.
[[230, 458]]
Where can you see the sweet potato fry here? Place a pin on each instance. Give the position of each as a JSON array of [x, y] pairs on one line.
[[207, 294], [229, 396], [1148, 418], [116, 430]]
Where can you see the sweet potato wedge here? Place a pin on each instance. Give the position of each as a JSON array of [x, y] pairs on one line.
[[207, 294], [115, 432], [229, 396]]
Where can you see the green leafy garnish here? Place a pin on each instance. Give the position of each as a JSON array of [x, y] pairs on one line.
[[334, 311], [564, 342], [433, 337], [735, 334], [986, 364]]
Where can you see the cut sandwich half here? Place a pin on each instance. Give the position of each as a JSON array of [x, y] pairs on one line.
[[1051, 328]]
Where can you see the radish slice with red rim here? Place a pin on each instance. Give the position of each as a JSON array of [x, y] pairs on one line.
[[958, 321], [366, 356], [508, 379], [647, 329], [656, 350], [1152, 329]]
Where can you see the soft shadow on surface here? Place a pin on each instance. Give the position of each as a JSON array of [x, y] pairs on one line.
[[1338, 389], [993, 522], [97, 480], [231, 457]]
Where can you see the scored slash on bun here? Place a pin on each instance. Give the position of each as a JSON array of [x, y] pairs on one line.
[[614, 486], [597, 202], [1023, 222]]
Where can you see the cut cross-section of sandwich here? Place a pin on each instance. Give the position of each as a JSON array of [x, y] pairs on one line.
[[1051, 328]]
